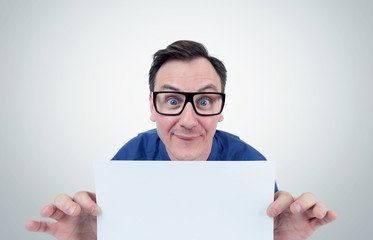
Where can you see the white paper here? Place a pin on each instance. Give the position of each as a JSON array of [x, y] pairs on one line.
[[184, 200]]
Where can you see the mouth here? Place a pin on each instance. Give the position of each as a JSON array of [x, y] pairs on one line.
[[186, 137]]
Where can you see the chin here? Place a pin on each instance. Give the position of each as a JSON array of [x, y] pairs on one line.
[[191, 159], [187, 157]]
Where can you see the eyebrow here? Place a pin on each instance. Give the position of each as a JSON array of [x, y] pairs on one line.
[[169, 87], [207, 87], [172, 88]]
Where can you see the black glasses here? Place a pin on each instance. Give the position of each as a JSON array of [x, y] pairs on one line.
[[173, 103]]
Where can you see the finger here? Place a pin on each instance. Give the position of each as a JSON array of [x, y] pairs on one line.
[[282, 201], [87, 202], [67, 205], [330, 216], [42, 226], [32, 226], [317, 211], [303, 203], [52, 211]]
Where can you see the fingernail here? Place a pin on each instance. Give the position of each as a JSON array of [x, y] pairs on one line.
[[297, 207], [95, 211], [98, 210], [71, 209]]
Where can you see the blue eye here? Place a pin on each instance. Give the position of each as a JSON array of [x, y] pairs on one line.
[[204, 102], [173, 101]]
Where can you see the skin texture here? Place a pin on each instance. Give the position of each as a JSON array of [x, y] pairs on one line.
[[186, 137]]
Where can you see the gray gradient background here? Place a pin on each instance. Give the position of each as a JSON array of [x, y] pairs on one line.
[[73, 89]]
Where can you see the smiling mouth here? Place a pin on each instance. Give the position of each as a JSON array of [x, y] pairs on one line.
[[186, 137]]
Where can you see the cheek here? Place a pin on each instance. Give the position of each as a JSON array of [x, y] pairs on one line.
[[209, 124], [165, 123]]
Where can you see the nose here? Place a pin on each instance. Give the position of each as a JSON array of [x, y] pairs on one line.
[[188, 118]]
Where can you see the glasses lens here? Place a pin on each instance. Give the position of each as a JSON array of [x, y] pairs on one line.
[[169, 103], [208, 103]]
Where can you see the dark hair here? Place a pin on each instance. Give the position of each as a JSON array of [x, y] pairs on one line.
[[185, 50]]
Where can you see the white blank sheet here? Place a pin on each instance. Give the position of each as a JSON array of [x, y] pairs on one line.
[[184, 200]]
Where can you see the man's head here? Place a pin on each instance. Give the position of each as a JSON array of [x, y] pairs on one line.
[[186, 123]]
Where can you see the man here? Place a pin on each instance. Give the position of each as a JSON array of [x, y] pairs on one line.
[[186, 102]]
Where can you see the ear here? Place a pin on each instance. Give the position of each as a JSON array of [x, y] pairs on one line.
[[221, 118], [152, 110]]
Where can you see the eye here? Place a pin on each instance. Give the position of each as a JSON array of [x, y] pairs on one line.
[[173, 101], [204, 102]]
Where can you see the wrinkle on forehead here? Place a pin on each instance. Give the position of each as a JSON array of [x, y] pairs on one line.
[[209, 87]]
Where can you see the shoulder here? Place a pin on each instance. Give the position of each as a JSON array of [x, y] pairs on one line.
[[231, 147], [139, 147]]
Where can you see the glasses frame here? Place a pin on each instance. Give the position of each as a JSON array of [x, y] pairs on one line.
[[188, 98]]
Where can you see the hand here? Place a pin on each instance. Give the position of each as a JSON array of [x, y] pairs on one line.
[[298, 219], [76, 217]]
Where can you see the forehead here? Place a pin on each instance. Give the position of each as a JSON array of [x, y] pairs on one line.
[[188, 76]]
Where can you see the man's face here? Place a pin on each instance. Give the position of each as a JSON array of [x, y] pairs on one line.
[[187, 136]]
